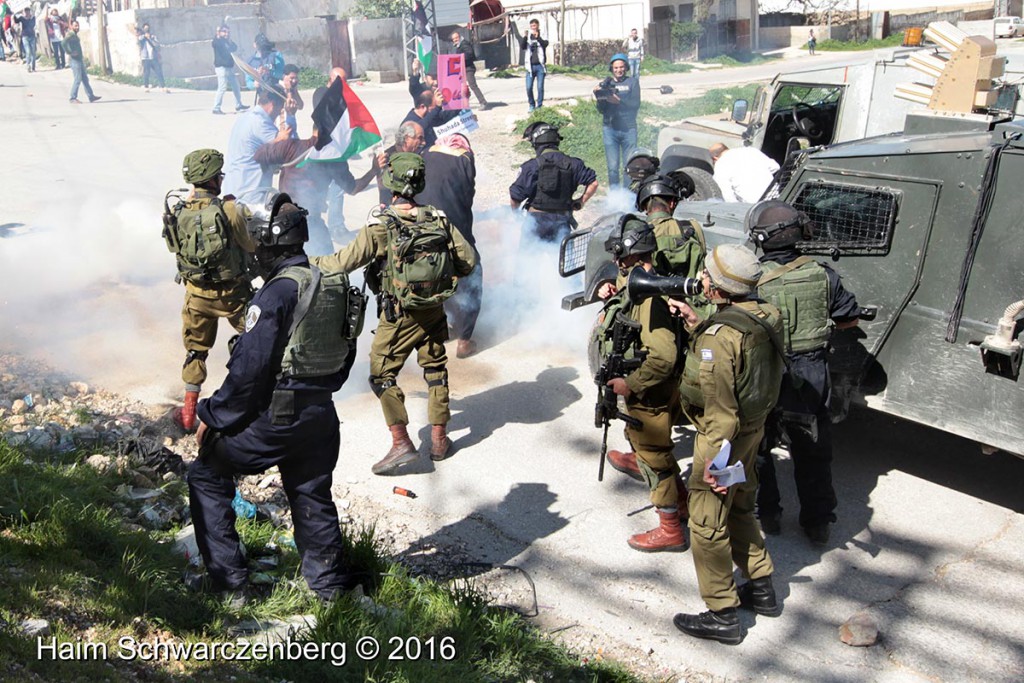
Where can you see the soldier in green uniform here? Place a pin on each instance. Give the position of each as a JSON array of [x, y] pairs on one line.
[[651, 390], [642, 163], [730, 385], [420, 256], [209, 237]]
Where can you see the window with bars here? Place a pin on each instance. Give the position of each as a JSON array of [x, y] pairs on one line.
[[572, 258], [851, 218]]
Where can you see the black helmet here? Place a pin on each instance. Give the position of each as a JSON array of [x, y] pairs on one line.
[[275, 221], [633, 235], [774, 224], [642, 163], [656, 186], [541, 133]]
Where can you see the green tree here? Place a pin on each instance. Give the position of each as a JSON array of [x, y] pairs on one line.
[[379, 9], [684, 36]]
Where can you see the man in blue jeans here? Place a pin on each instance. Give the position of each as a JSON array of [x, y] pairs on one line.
[[534, 56], [224, 65], [73, 47], [618, 100]]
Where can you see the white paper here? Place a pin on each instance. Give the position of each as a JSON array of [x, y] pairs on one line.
[[727, 474]]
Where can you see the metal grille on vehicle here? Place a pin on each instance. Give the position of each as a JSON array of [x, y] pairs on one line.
[[850, 218], [572, 256]]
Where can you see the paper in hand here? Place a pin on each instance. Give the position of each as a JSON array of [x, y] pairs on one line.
[[727, 474]]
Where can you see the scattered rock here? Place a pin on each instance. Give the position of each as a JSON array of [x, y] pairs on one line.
[[99, 462], [35, 628], [860, 630], [19, 407], [267, 481], [185, 545], [16, 420], [77, 389], [142, 481]]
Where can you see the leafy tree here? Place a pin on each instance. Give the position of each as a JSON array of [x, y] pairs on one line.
[[685, 35], [379, 9]]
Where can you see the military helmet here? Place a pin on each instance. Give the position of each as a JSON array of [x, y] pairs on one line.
[[542, 133], [405, 174], [633, 235], [274, 220], [656, 186], [642, 163], [734, 269], [774, 224], [201, 165]]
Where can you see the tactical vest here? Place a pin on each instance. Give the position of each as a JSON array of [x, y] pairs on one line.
[[799, 289], [761, 364], [326, 322], [555, 182], [200, 236], [601, 335], [679, 253], [419, 270]]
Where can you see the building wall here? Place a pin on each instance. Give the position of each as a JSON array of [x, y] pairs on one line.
[[778, 37], [376, 45]]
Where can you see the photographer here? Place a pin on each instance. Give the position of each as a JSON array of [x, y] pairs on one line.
[[618, 100], [534, 55], [149, 51]]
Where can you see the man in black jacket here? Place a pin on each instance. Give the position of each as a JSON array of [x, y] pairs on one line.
[[465, 48], [618, 100], [224, 65]]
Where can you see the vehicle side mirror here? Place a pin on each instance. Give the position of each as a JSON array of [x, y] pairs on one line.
[[739, 110]]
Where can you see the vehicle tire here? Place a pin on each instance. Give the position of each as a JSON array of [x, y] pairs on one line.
[[704, 184]]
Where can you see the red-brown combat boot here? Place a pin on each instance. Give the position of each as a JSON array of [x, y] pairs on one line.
[[667, 537], [187, 415], [402, 452], [625, 463], [440, 444]]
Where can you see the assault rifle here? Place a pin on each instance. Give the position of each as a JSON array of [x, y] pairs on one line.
[[625, 335]]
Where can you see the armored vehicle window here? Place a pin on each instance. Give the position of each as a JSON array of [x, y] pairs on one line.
[[850, 218]]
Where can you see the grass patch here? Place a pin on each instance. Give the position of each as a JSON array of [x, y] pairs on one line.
[[581, 129], [67, 555], [741, 59], [311, 79], [131, 79], [895, 40]]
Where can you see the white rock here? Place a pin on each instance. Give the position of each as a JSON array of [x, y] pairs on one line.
[[79, 388], [860, 630], [35, 628], [185, 545], [19, 407], [98, 462]]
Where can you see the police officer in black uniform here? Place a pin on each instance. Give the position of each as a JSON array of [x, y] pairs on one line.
[[813, 301], [548, 182], [275, 408]]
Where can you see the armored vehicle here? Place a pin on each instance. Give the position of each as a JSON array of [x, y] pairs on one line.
[[925, 227]]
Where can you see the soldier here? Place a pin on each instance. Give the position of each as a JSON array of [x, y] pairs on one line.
[[211, 242], [548, 182], [812, 299], [642, 163], [275, 408], [729, 387], [419, 255], [651, 391], [680, 250]]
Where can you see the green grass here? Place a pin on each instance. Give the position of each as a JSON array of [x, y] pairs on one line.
[[131, 79], [895, 40], [581, 130], [741, 59], [311, 79], [67, 555]]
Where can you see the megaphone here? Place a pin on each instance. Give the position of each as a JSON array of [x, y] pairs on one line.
[[643, 285]]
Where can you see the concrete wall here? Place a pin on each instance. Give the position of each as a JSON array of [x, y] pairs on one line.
[[303, 42], [376, 45], [778, 37]]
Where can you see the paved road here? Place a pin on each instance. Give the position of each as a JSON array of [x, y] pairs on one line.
[[930, 535]]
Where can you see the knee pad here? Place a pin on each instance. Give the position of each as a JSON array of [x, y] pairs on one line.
[[195, 355], [436, 378], [651, 476], [379, 385]]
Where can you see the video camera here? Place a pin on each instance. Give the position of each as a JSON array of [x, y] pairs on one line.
[[605, 90], [643, 285]]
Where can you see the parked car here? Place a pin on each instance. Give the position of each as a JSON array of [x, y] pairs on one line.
[[1008, 27]]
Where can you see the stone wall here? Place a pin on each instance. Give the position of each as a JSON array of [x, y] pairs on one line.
[[377, 45]]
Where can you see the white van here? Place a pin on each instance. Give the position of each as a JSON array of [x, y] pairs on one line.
[[1008, 27]]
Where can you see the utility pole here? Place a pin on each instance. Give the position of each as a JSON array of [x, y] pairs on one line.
[[561, 36], [856, 24], [101, 37]]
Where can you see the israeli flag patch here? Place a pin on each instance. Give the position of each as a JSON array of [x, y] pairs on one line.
[[252, 316], [705, 354]]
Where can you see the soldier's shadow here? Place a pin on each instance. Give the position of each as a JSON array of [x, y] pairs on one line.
[[536, 402]]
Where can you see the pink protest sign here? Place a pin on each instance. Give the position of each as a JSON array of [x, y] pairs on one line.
[[451, 79]]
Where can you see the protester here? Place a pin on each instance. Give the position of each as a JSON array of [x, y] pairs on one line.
[[534, 55], [465, 48], [56, 27], [73, 46], [634, 47], [812, 43], [267, 61], [292, 100], [618, 100], [149, 51], [224, 65], [27, 21], [252, 130], [742, 173], [419, 81]]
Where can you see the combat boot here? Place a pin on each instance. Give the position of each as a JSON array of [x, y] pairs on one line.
[[723, 625], [759, 595], [465, 348], [440, 444], [667, 537], [186, 416], [402, 452], [625, 463]]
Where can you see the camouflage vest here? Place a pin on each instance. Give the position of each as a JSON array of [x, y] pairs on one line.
[[799, 289], [761, 363], [200, 237], [326, 323], [680, 252], [601, 335], [419, 269]]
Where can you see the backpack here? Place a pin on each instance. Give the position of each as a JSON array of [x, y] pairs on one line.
[[681, 254], [419, 269], [200, 237]]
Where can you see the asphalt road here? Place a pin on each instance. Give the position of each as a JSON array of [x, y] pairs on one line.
[[930, 535]]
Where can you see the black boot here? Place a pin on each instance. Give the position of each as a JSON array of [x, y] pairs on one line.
[[759, 595], [723, 626]]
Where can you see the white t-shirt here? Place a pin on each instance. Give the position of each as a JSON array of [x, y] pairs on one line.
[[744, 173]]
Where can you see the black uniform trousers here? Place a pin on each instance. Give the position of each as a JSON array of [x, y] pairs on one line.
[[305, 452], [805, 390]]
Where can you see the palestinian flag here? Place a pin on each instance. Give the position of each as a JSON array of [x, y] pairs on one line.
[[344, 124], [425, 52]]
